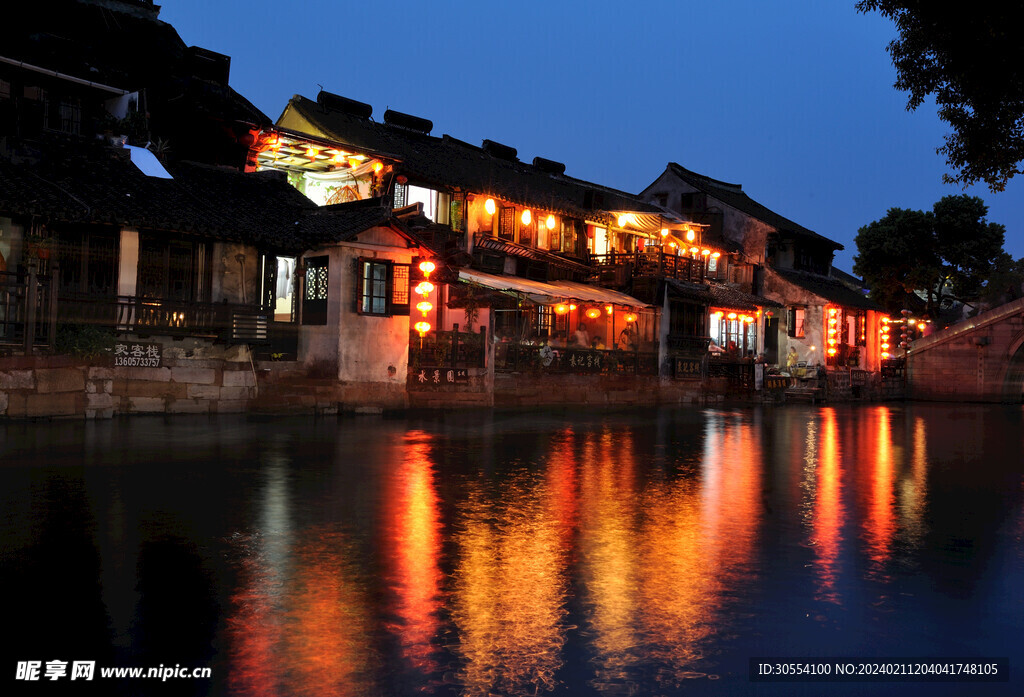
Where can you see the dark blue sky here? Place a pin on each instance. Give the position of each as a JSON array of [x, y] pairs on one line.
[[792, 100]]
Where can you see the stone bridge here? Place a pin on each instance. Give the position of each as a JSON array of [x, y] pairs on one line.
[[978, 360]]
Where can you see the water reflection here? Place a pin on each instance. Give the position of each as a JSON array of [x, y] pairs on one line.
[[630, 554], [510, 584], [879, 526], [410, 521], [828, 514]]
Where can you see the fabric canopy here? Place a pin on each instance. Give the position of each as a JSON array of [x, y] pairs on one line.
[[549, 293]]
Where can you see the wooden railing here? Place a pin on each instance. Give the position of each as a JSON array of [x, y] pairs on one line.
[[452, 349], [650, 262], [740, 374], [222, 321], [28, 313]]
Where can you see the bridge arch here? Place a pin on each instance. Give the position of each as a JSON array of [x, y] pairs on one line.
[[1013, 380]]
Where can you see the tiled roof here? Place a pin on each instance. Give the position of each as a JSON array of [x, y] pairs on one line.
[[101, 185], [690, 291], [518, 250], [323, 226], [830, 289], [728, 297], [732, 195], [447, 162]]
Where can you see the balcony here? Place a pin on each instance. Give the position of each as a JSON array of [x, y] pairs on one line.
[[153, 316], [618, 268]]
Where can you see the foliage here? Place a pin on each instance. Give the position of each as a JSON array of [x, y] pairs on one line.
[[972, 60], [83, 340], [948, 254]]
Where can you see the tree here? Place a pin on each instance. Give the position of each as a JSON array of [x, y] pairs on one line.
[[936, 258], [972, 60]]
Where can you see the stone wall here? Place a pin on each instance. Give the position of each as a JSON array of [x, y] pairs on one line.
[[62, 387], [525, 390]]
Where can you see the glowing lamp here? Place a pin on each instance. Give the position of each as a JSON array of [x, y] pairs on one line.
[[731, 315], [427, 267], [489, 206], [694, 250], [672, 245], [715, 255], [718, 314], [339, 158], [424, 288], [424, 307], [664, 232], [550, 222], [377, 167], [885, 345], [920, 326], [630, 317], [311, 153], [608, 309], [572, 306], [690, 236], [748, 319], [831, 352], [593, 313], [623, 220], [422, 328], [527, 217], [832, 311], [561, 309], [885, 354], [353, 162], [705, 252]]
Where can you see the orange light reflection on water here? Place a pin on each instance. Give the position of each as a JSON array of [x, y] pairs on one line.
[[510, 585], [411, 549], [609, 550], [880, 520], [307, 627], [829, 512]]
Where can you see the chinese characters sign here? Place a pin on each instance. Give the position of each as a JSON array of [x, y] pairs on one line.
[[428, 376], [137, 355]]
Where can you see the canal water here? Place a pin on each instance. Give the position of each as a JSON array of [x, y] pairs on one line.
[[649, 552]]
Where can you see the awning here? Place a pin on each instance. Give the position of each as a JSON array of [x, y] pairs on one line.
[[549, 293]]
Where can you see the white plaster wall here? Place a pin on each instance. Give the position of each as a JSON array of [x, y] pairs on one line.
[[360, 348]]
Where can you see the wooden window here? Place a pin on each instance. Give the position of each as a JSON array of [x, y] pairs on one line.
[[399, 289], [528, 233], [314, 299], [173, 269], [796, 322], [382, 288], [507, 224], [401, 195]]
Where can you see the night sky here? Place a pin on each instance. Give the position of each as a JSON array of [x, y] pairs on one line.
[[792, 100]]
